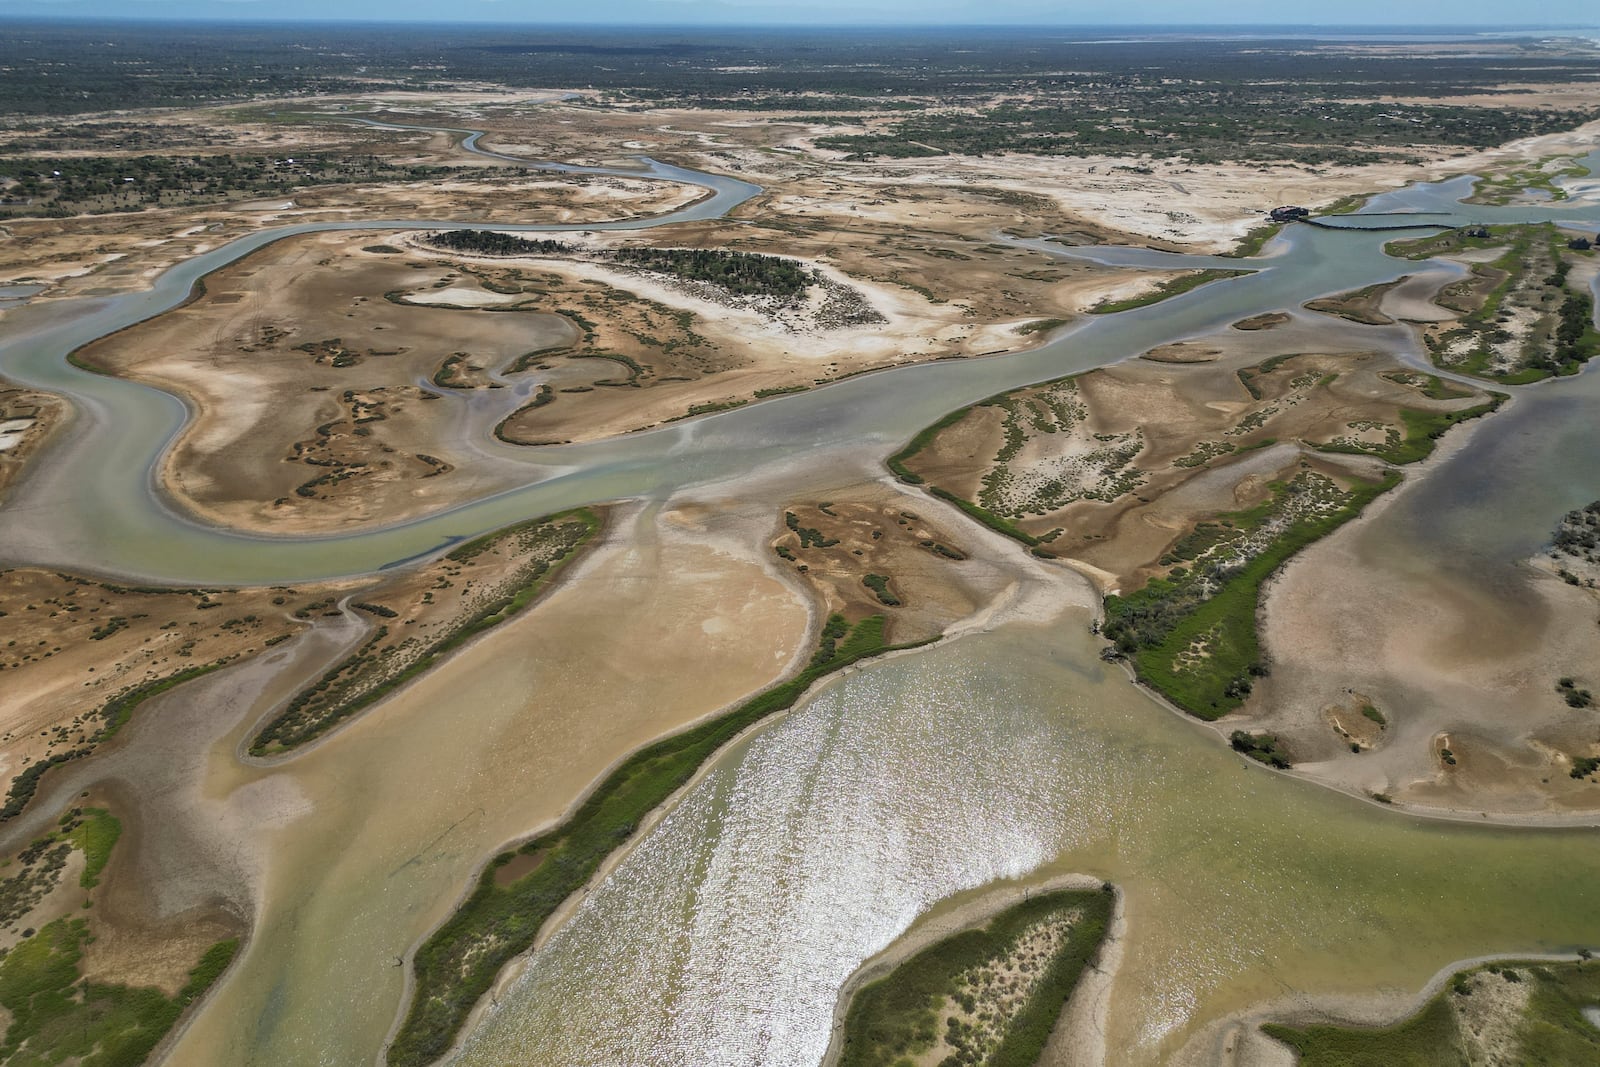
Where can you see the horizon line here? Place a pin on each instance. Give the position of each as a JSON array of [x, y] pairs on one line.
[[1451, 28]]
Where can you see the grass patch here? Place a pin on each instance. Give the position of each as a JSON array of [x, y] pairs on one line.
[[55, 1017], [1457, 240], [1347, 205], [1360, 305], [711, 407], [1248, 375], [1423, 430], [1166, 290], [1436, 388], [1254, 241], [896, 1017], [879, 584], [995, 522], [95, 831], [924, 438], [1427, 1039], [1039, 326], [634, 368], [458, 963]]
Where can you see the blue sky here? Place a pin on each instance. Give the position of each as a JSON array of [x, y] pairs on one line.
[[1153, 13]]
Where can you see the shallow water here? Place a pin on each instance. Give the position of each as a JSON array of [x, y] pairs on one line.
[[16, 295], [724, 938]]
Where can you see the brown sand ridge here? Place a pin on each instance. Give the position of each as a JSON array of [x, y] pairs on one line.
[[303, 379], [872, 551], [27, 419], [85, 648]]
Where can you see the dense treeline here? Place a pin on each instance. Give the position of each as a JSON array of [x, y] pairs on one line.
[[741, 273], [1208, 125], [75, 67], [494, 243], [744, 273], [58, 186]]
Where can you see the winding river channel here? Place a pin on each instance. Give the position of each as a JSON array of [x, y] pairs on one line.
[[724, 936]]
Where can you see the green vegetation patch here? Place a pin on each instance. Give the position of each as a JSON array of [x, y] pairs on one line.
[[57, 1017], [925, 437], [1430, 385], [742, 273], [1423, 430], [373, 671], [1044, 413], [1550, 1029], [1500, 189], [1430, 1038], [1254, 241], [896, 1018], [1521, 321], [1360, 305], [458, 963], [1263, 748], [879, 584], [1166, 290], [1192, 635], [95, 832], [113, 715]]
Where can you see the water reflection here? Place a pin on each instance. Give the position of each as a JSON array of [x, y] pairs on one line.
[[724, 938]]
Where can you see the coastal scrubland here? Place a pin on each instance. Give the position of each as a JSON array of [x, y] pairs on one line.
[[867, 553], [1523, 313], [347, 380], [1182, 486], [991, 994]]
